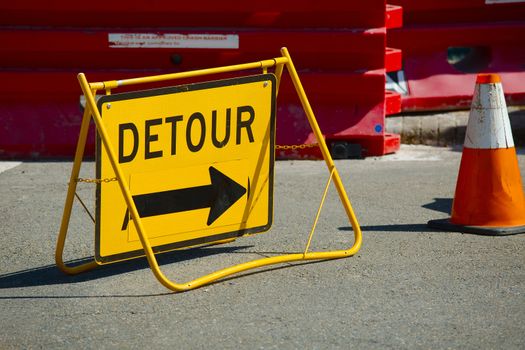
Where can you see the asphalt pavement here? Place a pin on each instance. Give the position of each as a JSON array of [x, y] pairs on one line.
[[408, 287]]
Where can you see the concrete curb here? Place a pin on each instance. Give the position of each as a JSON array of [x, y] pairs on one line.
[[446, 128]]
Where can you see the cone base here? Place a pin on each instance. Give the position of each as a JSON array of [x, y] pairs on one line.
[[489, 192], [446, 225]]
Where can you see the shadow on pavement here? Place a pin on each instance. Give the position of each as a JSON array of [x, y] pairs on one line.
[[443, 205], [50, 274], [392, 228]]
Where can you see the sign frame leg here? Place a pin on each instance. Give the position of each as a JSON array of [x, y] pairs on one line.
[[324, 149], [70, 197]]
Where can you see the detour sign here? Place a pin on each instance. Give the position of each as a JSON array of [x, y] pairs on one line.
[[199, 162]]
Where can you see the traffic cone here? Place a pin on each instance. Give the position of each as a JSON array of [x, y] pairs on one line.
[[489, 195]]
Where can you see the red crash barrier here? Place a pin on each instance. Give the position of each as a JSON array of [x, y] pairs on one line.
[[446, 43], [338, 48]]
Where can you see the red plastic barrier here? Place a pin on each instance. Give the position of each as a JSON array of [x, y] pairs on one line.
[[77, 48], [236, 14], [446, 43], [338, 48]]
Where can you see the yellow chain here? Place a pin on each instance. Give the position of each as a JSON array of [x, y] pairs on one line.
[[96, 181], [294, 147]]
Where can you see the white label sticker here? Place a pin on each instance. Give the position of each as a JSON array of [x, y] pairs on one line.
[[489, 2], [183, 41]]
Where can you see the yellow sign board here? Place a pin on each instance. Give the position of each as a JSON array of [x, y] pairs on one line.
[[198, 159]]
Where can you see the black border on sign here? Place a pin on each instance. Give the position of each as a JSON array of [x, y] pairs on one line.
[[172, 90]]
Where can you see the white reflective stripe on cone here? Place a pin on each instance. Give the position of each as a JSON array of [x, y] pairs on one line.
[[488, 123]]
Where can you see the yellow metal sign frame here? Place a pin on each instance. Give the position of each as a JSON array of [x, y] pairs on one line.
[[91, 111]]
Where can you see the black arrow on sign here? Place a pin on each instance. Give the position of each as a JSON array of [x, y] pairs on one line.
[[220, 195]]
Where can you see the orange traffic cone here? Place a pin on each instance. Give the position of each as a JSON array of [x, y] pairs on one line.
[[489, 195]]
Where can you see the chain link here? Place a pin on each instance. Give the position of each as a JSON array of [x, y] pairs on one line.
[[96, 181], [277, 147], [295, 147]]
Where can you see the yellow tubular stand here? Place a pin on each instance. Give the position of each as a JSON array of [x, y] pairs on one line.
[[91, 110]]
